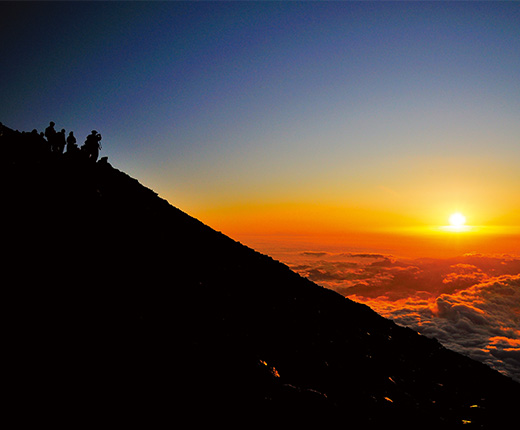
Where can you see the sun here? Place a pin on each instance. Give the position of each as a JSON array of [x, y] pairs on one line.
[[457, 224], [457, 219]]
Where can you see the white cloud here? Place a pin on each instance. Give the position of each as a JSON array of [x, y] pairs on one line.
[[471, 304], [482, 321]]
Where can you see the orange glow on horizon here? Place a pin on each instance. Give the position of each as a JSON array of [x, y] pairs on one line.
[[281, 224]]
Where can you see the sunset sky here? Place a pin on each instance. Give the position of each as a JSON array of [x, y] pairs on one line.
[[359, 124], [337, 137]]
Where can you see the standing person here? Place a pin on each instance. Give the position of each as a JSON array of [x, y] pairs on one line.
[[92, 146], [60, 141], [50, 135], [72, 148]]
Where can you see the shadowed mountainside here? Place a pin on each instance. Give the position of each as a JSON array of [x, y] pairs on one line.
[[118, 305]]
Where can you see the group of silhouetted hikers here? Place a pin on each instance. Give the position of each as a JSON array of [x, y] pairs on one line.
[[51, 141], [57, 142]]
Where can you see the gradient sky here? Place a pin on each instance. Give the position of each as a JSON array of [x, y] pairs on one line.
[[351, 120]]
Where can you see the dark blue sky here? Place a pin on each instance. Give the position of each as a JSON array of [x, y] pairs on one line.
[[218, 105]]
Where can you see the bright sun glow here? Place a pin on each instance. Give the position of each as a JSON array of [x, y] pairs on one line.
[[457, 224], [457, 219]]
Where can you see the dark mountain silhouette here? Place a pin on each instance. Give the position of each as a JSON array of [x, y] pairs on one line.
[[121, 309]]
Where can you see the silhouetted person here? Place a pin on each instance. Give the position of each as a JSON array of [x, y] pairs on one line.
[[92, 146], [50, 134], [72, 148], [59, 144]]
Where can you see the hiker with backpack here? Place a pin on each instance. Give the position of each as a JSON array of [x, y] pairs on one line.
[[92, 146]]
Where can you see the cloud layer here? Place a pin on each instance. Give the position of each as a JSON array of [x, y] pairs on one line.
[[471, 304]]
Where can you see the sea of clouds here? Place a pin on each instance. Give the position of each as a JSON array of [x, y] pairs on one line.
[[471, 304]]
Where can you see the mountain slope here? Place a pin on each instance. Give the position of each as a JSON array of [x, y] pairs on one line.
[[121, 306]]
